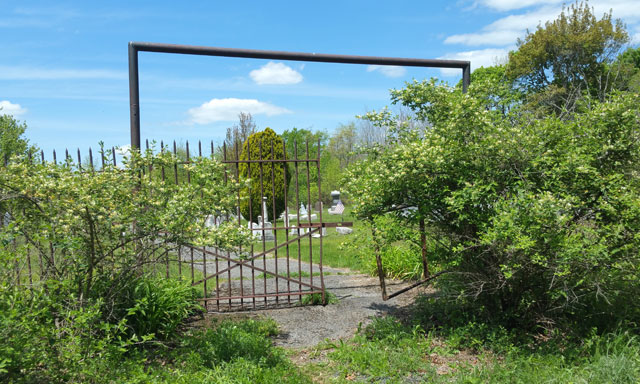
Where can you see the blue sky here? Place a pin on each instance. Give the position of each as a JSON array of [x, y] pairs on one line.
[[63, 66]]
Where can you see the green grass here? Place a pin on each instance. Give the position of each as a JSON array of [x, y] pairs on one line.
[[332, 254], [224, 352], [391, 352]]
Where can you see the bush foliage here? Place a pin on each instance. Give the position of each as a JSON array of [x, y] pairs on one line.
[[89, 238], [534, 215], [538, 217]]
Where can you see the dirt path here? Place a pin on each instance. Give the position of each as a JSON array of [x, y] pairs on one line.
[[359, 299]]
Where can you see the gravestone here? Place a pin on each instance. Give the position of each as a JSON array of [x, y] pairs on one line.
[[337, 208], [303, 209], [268, 233], [335, 199], [212, 221], [263, 226], [324, 233], [344, 230]]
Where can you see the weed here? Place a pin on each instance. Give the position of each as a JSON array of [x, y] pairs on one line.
[[316, 299]]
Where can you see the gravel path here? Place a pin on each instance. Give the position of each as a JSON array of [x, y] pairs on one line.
[[359, 299]]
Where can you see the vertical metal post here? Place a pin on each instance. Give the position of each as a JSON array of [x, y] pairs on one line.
[[274, 213], [237, 180], [253, 271], [324, 298], [466, 77], [264, 244], [134, 96], [309, 210], [295, 155], [286, 218]]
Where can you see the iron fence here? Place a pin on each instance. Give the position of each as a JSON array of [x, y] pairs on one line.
[[283, 262]]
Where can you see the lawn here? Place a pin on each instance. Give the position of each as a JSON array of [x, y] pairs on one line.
[[334, 254]]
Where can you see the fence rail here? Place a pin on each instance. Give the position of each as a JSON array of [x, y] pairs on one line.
[[283, 262]]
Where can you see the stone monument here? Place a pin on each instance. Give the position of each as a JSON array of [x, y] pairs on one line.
[[263, 226]]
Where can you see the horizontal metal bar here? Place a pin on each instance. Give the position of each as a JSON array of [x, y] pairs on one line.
[[304, 225], [414, 285], [272, 161], [295, 56], [255, 268], [293, 293], [326, 225], [245, 262]]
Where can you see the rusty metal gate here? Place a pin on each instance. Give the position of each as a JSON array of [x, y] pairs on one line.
[[284, 261]]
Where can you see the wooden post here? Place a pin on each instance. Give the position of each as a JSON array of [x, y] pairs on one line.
[[376, 246], [423, 243]]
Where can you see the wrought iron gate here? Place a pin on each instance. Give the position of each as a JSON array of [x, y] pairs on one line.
[[284, 261]]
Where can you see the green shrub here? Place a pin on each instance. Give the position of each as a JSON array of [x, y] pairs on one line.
[[316, 299], [233, 340], [44, 339], [273, 175], [400, 248], [159, 306]]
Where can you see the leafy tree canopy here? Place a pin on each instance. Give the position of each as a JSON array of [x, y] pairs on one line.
[[569, 56], [12, 141]]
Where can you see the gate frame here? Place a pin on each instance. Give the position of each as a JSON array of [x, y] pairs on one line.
[[135, 47], [134, 89]]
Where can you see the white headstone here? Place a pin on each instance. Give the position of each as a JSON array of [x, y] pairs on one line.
[[324, 233], [265, 214], [344, 230]]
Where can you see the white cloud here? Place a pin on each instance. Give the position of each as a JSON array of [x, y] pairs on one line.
[[621, 8], [479, 58], [510, 5], [387, 70], [275, 73], [33, 73], [228, 110], [9, 108], [506, 30], [635, 36]]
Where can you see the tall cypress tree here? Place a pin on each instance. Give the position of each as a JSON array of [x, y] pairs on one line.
[[265, 145]]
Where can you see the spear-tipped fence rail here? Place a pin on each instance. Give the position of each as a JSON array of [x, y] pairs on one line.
[[268, 272]]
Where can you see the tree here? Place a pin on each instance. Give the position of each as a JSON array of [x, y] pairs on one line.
[[86, 241], [631, 56], [296, 141], [12, 141], [568, 57], [266, 179], [343, 143], [536, 219], [238, 134], [629, 62]]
